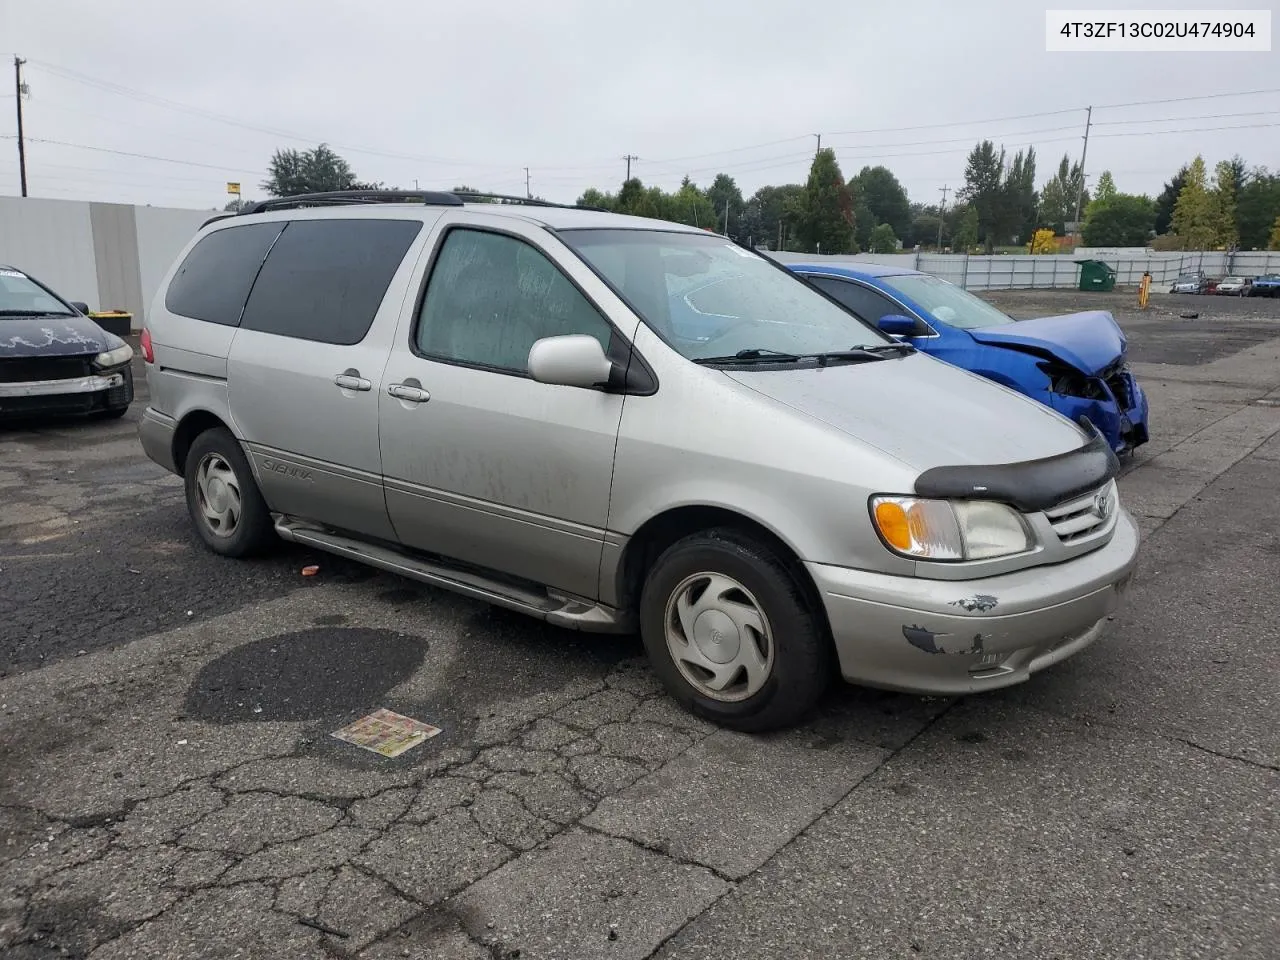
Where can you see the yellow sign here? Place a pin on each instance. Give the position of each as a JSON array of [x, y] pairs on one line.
[[233, 188]]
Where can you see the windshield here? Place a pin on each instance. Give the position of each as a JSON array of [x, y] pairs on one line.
[[22, 297], [947, 302], [708, 297]]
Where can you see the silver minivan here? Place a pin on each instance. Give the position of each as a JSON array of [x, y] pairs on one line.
[[620, 424]]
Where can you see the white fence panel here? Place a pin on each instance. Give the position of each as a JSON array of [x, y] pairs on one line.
[[1058, 271]]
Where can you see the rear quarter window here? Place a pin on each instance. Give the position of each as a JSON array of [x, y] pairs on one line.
[[214, 280], [325, 279]]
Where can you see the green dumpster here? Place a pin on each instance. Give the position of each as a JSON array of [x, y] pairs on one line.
[[1096, 275]]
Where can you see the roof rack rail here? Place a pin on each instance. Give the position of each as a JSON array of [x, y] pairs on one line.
[[215, 218], [509, 198], [341, 197], [439, 198]]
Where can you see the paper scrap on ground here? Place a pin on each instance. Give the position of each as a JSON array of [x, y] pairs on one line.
[[387, 733]]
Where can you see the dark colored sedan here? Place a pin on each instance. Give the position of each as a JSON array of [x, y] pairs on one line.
[[54, 360]]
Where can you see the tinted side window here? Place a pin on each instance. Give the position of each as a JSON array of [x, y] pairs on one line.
[[491, 297], [325, 279], [865, 303], [214, 280]]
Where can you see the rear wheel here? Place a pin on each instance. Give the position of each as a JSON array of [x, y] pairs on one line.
[[731, 632], [223, 498]]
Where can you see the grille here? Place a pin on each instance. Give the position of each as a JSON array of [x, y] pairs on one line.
[[24, 369], [1084, 516]]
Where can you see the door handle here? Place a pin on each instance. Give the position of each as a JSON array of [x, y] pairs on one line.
[[408, 392], [352, 381]]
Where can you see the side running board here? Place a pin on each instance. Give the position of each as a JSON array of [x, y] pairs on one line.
[[573, 613]]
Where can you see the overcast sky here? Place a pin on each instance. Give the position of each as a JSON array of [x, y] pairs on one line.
[[449, 93]]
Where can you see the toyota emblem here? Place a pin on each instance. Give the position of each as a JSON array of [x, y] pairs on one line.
[[1102, 504]]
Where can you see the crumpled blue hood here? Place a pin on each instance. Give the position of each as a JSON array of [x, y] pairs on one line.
[[1090, 341]]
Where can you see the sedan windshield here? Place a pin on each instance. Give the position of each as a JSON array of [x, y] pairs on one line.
[[947, 302], [712, 299], [23, 297]]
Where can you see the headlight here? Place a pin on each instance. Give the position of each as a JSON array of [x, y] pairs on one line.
[[949, 530], [114, 358]]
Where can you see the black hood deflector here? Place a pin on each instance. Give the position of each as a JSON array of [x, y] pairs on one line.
[[1031, 485]]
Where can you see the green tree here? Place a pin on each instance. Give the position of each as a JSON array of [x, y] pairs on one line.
[[1021, 212], [770, 216], [826, 215], [1119, 220], [964, 233], [1104, 191], [1167, 199], [983, 190], [725, 195], [883, 239], [1228, 178], [634, 199], [1257, 207], [591, 197], [319, 170], [1195, 215], [690, 205], [1273, 243], [883, 196], [1058, 196]]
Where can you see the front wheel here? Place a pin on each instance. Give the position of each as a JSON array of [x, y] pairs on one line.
[[223, 498], [731, 633]]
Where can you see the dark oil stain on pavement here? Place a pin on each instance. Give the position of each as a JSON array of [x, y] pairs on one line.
[[305, 675], [136, 576]]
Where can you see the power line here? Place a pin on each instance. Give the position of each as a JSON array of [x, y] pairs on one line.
[[1201, 116], [126, 153], [1202, 96]]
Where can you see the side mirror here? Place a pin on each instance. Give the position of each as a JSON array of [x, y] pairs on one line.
[[576, 360], [82, 307], [896, 325]]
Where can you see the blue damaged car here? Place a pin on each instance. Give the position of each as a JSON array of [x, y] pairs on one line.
[[1075, 363]]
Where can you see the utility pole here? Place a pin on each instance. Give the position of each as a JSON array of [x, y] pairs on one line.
[[727, 204], [22, 146], [629, 157], [1083, 154], [527, 191], [819, 136], [942, 213]]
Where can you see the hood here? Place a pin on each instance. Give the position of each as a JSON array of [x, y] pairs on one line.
[[1089, 341], [53, 337], [922, 411]]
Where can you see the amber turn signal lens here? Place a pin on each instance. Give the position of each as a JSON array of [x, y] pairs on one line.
[[894, 526]]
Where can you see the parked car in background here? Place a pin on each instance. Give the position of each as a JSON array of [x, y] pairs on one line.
[[1265, 286], [493, 398], [53, 358], [1075, 364], [1195, 282], [1233, 286]]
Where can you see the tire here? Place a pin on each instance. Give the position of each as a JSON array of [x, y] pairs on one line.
[[217, 477], [793, 655]]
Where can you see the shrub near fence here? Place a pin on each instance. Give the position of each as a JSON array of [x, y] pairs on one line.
[[1056, 271]]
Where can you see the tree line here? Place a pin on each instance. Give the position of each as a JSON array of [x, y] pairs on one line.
[[1238, 207]]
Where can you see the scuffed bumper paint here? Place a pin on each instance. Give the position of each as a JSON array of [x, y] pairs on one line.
[[956, 637]]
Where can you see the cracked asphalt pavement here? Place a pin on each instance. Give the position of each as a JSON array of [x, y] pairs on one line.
[[169, 785]]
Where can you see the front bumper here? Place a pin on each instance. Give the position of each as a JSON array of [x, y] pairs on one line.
[[77, 395], [955, 637]]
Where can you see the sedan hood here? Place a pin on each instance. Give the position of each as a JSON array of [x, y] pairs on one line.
[[922, 411], [1089, 341], [53, 337]]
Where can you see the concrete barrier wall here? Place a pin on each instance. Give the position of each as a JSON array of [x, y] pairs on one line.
[[111, 256]]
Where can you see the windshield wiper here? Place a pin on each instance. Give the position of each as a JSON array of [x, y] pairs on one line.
[[33, 313], [753, 355], [902, 348]]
